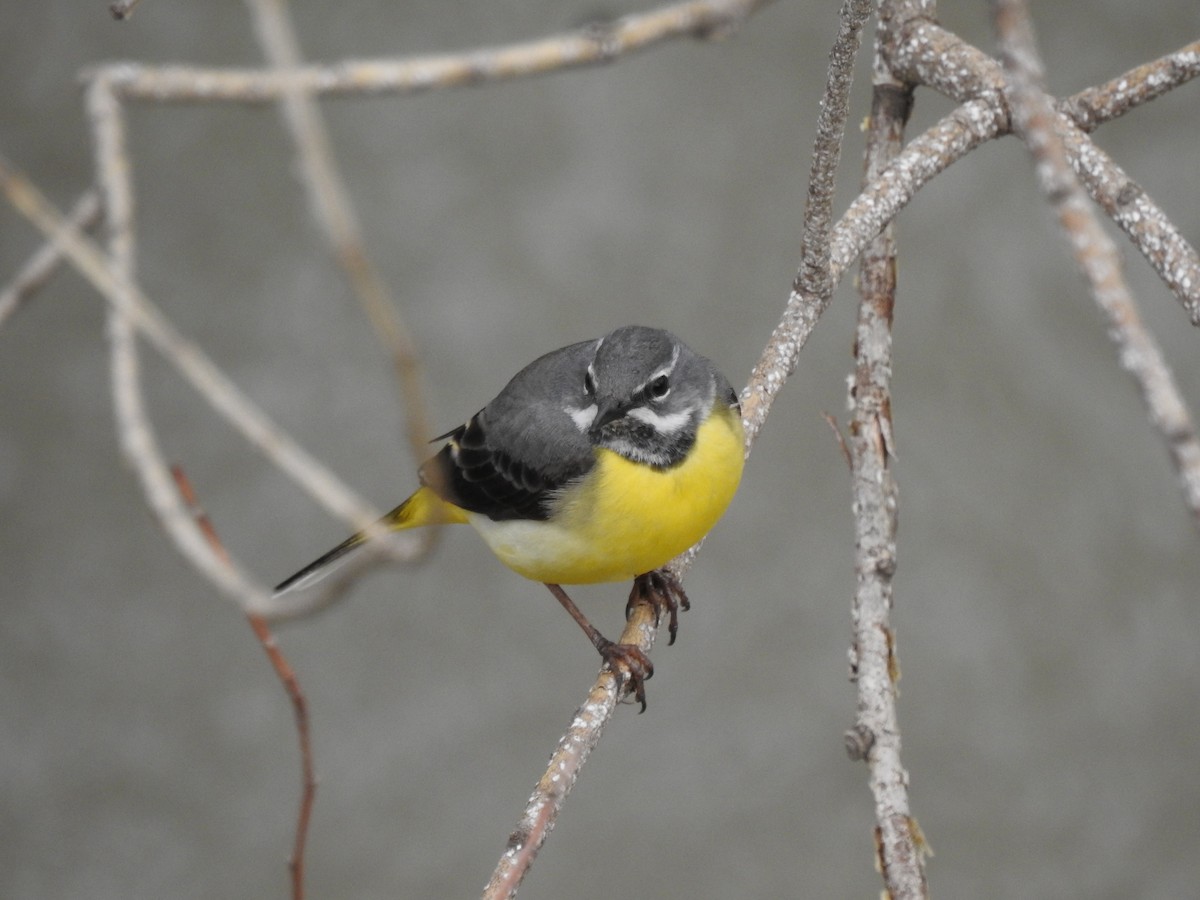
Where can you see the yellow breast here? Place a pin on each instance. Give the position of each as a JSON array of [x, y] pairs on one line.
[[625, 518]]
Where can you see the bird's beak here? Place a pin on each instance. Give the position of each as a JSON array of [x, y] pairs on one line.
[[606, 412]]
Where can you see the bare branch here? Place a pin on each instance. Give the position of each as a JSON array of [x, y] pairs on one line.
[[873, 657], [814, 275], [335, 214], [980, 120], [138, 440], [137, 435], [191, 362], [592, 45], [548, 797], [44, 263], [287, 677], [1042, 129], [813, 285], [931, 55], [1094, 106], [1136, 214]]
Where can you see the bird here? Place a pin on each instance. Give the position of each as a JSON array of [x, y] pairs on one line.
[[598, 462]]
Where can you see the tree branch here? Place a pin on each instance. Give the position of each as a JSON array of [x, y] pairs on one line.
[[541, 810], [875, 736], [287, 677], [595, 44], [138, 440], [928, 54], [44, 263], [1094, 106], [1042, 129], [812, 288], [335, 215]]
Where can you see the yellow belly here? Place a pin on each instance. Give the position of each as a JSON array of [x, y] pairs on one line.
[[624, 518]]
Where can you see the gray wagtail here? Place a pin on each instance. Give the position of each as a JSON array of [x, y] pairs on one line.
[[598, 462]]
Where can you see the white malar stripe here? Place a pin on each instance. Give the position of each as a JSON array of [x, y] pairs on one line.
[[668, 424], [583, 418]]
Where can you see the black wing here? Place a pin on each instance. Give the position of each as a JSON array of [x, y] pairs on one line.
[[514, 455], [471, 475]]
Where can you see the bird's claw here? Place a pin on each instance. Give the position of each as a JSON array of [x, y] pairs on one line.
[[663, 592], [630, 666]]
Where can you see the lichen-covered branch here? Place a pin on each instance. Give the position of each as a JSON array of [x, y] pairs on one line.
[[1037, 123], [812, 288], [928, 54], [876, 731]]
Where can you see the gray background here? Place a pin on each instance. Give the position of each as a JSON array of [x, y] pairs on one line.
[[1047, 610]]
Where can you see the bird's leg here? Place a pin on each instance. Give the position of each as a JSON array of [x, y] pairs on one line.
[[662, 591], [631, 666]]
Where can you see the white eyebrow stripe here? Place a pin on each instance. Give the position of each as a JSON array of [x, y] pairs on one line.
[[668, 424], [665, 370], [583, 418], [669, 367]]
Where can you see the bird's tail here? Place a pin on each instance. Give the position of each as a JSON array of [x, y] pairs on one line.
[[423, 508]]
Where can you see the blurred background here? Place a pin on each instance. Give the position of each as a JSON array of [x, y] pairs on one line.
[[1047, 611]]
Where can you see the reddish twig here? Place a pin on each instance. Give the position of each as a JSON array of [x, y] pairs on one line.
[[840, 438], [287, 677]]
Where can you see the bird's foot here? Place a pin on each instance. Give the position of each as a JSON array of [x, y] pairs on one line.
[[664, 593], [630, 665]]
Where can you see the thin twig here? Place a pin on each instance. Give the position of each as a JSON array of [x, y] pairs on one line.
[[1135, 213], [832, 422], [138, 441], [1037, 123], [813, 278], [330, 202], [191, 362], [287, 677], [1094, 106], [875, 736], [813, 285], [928, 54], [137, 435], [548, 797], [594, 44], [44, 263]]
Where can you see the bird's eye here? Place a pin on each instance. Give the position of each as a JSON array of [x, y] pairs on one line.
[[659, 387], [589, 382]]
